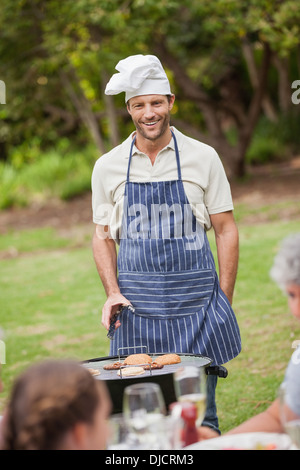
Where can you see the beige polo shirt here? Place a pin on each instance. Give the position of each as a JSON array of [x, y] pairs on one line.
[[204, 179]]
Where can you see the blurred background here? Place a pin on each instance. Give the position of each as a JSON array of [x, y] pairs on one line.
[[231, 64]]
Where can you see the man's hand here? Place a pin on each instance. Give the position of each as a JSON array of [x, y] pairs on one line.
[[105, 255], [111, 306]]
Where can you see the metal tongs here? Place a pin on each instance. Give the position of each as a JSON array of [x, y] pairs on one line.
[[114, 318]]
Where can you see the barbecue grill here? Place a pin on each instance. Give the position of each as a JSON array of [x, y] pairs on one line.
[[163, 377]]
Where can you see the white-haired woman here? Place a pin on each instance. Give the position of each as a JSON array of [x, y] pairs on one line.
[[286, 271]]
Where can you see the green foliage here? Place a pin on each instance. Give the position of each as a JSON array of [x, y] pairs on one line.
[[43, 41], [274, 141], [56, 173]]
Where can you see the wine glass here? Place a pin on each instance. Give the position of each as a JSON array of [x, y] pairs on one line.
[[289, 419], [143, 409], [190, 386], [119, 433]]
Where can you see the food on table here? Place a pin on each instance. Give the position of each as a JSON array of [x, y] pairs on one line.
[[257, 446], [270, 446]]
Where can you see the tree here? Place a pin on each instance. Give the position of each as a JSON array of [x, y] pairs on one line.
[[220, 54], [228, 61]]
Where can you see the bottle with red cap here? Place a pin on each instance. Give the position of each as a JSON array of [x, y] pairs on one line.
[[188, 413]]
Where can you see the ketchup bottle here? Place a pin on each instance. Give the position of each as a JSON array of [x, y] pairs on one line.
[[188, 413], [189, 416]]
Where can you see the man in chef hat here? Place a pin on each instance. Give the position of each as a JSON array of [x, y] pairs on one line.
[[147, 194], [139, 75]]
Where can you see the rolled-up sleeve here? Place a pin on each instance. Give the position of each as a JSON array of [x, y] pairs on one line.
[[218, 194], [102, 203]]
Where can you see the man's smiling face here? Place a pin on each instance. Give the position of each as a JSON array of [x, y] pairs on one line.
[[151, 114]]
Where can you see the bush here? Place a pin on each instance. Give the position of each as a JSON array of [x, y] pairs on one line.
[[264, 149], [274, 141], [53, 174]]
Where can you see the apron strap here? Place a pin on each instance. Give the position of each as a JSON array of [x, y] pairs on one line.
[[176, 153], [130, 156], [177, 156]]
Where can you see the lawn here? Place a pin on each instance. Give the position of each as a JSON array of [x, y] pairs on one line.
[[51, 300]]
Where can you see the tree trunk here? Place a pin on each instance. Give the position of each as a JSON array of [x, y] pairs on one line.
[[3, 151], [192, 91], [114, 133], [247, 130], [298, 59], [232, 157], [83, 107], [284, 84], [267, 104]]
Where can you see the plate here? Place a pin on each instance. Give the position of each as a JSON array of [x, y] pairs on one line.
[[247, 441]]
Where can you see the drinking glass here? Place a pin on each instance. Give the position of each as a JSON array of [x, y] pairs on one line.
[[190, 386], [289, 419], [119, 437], [144, 409]]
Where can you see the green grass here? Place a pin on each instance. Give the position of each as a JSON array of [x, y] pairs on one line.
[[51, 300], [27, 241]]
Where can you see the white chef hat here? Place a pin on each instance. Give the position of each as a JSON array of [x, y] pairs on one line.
[[139, 75]]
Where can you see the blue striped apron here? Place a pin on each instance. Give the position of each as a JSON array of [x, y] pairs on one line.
[[166, 270]]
